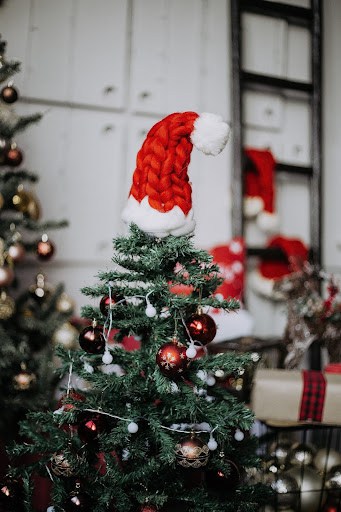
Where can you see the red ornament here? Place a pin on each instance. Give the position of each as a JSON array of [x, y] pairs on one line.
[[91, 340], [9, 94], [171, 359], [191, 452], [148, 508], [90, 427], [72, 395], [219, 482], [104, 305], [45, 248], [76, 501], [11, 496], [201, 327], [14, 157]]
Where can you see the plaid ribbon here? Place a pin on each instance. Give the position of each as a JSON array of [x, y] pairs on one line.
[[312, 401]]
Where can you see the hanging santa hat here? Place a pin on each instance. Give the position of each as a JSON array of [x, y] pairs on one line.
[[259, 193], [294, 254], [160, 198]]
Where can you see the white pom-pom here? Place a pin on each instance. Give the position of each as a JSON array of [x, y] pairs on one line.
[[212, 444], [267, 221], [252, 205], [133, 427], [210, 381], [219, 296], [88, 368], [50, 509], [150, 311], [210, 134], [210, 398], [239, 435], [191, 352], [107, 357]]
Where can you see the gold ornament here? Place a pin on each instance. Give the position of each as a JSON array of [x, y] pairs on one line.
[[33, 208], [191, 452], [21, 199], [60, 466], [24, 380], [7, 306], [65, 304], [66, 335]]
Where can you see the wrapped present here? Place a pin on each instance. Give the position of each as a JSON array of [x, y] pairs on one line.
[[283, 398]]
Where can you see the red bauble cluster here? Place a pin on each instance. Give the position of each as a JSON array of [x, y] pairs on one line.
[[201, 327], [171, 359], [91, 340], [104, 305]]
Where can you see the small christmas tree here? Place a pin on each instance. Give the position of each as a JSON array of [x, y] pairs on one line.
[[153, 431], [29, 318]]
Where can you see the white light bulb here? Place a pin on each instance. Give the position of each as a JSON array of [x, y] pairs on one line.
[[191, 352], [133, 427], [150, 310], [212, 444], [107, 357]]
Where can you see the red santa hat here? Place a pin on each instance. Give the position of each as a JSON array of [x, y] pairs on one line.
[[295, 253], [160, 198], [259, 193]]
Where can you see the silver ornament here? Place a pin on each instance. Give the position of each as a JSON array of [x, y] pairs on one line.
[[325, 459], [301, 454], [280, 450], [310, 485], [287, 491], [333, 478]]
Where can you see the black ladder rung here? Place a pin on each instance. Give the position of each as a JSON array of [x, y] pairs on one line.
[[267, 253], [275, 82], [294, 169], [291, 13]]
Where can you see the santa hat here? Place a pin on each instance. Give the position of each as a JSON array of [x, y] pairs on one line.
[[259, 195], [160, 198], [295, 253]]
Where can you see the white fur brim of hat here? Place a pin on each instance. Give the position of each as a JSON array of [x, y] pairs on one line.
[[210, 134], [264, 286], [267, 221], [252, 205], [158, 224]]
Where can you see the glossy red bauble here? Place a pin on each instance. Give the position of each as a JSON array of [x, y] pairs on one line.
[[90, 426], [72, 395], [45, 249], [201, 327], [104, 305], [148, 508], [219, 482], [9, 94], [14, 157], [171, 359], [91, 340]]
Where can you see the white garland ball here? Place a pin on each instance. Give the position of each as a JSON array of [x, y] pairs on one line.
[[212, 444], [191, 352], [133, 427], [239, 435], [107, 357], [210, 381], [150, 311]]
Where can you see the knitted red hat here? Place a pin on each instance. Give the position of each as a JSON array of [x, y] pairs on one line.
[[259, 194], [295, 253], [160, 198]]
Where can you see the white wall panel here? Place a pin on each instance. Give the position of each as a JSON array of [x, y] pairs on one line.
[[297, 133], [262, 110], [299, 54], [99, 53]]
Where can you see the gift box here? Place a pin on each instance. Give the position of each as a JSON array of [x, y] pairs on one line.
[[285, 398]]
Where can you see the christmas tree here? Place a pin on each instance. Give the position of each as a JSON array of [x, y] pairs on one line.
[[153, 431], [28, 318]]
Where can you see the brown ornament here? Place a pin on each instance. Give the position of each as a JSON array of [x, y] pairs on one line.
[[34, 209], [66, 335], [9, 94], [25, 380], [60, 466], [4, 148], [6, 276], [191, 452], [21, 200], [91, 339], [14, 157], [7, 306], [2, 200], [45, 248]]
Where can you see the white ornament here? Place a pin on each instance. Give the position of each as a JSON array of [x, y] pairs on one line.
[[202, 375], [239, 435], [212, 444], [210, 381], [165, 313], [107, 357], [191, 352], [50, 509], [150, 310], [108, 369], [133, 427]]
